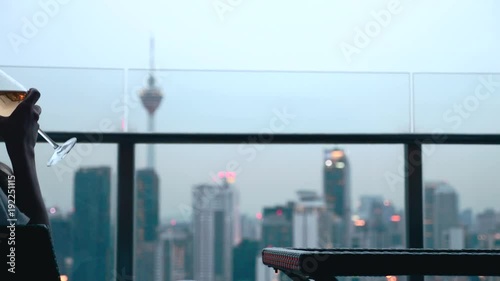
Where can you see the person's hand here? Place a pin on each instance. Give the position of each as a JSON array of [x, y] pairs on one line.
[[20, 129]]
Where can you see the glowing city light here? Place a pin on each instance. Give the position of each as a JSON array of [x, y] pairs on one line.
[[229, 176], [395, 218], [340, 165], [258, 216], [359, 223], [336, 154], [63, 277], [279, 212], [173, 222], [328, 163], [391, 278], [124, 125], [52, 210]]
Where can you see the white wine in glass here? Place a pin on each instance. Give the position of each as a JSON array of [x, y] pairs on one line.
[[12, 93]]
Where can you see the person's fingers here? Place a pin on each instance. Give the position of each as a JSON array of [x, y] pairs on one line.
[[37, 109], [32, 96]]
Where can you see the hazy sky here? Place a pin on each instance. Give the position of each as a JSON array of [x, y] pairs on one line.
[[413, 37]]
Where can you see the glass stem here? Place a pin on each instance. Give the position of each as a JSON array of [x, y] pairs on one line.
[[48, 139]]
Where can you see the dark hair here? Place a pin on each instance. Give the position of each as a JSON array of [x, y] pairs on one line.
[[5, 172]]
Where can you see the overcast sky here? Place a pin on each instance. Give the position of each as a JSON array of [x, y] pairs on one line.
[[381, 36]]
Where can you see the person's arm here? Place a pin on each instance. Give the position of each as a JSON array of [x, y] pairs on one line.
[[28, 194], [20, 132]]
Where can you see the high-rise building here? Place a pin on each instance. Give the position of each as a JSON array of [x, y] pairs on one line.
[[337, 194], [467, 219], [148, 204], [446, 215], [429, 198], [488, 221], [277, 226], [277, 231], [244, 260], [307, 220], [147, 222], [441, 213], [176, 253], [377, 224], [237, 227], [251, 228], [213, 222], [92, 256], [366, 205], [487, 234], [61, 230], [453, 238]]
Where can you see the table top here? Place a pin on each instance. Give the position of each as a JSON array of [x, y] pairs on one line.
[[382, 262]]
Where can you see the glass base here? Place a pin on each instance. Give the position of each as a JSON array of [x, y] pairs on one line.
[[61, 152]]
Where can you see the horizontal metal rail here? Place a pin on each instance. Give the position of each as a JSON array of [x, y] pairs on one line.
[[232, 138]]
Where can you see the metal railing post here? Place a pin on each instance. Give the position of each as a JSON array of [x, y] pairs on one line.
[[414, 205], [125, 213]]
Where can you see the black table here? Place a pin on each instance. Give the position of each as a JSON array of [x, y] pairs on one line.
[[326, 264]]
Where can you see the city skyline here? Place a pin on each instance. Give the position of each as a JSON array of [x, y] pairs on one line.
[[228, 101], [147, 177], [373, 166], [206, 211], [378, 224], [217, 101]]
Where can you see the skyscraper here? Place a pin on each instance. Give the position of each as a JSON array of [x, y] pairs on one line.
[[337, 193], [307, 220], [487, 234], [277, 226], [213, 232], [429, 198], [244, 260], [229, 178], [441, 213], [176, 253], [92, 257], [147, 222], [61, 230], [148, 204], [446, 214], [277, 231], [251, 227]]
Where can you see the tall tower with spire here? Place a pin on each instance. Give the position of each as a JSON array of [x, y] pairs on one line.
[[151, 97], [147, 184]]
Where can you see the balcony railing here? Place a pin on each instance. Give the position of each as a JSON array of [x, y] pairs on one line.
[[406, 106], [126, 166]]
